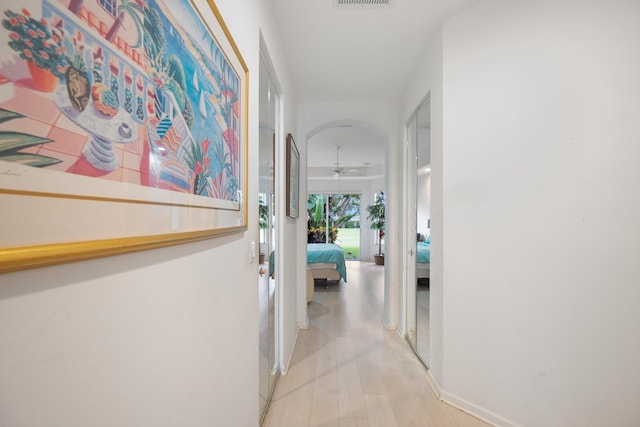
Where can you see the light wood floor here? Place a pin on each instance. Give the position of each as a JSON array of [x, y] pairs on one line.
[[348, 370]]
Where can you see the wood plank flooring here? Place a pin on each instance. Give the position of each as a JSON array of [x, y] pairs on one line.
[[349, 371]]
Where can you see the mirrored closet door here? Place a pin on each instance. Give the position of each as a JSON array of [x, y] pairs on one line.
[[267, 226], [419, 237]]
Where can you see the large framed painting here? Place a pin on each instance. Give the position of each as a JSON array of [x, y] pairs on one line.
[[123, 126]]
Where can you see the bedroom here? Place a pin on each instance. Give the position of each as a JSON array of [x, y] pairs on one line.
[[345, 166]]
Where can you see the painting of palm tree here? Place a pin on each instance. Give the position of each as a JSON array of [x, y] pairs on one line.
[[222, 167], [134, 11]]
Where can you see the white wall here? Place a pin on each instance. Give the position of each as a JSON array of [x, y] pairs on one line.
[[541, 208], [427, 80], [141, 339], [156, 338]]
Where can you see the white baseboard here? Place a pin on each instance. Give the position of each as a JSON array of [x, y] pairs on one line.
[[434, 384], [401, 334], [287, 361], [389, 326], [477, 411], [468, 407], [303, 325]]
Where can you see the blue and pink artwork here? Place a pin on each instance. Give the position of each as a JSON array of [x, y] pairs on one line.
[[133, 91]]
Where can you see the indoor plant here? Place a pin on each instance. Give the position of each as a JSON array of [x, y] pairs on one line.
[[376, 216]]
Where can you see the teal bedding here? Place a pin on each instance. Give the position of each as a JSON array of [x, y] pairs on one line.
[[424, 252], [327, 252]]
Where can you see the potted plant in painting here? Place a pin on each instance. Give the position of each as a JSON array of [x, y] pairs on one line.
[[376, 216], [39, 46]]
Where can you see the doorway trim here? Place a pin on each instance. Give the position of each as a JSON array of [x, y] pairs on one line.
[[410, 229]]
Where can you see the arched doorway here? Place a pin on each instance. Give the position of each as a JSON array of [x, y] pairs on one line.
[[367, 180]]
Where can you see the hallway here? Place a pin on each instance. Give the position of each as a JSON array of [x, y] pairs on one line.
[[348, 370]]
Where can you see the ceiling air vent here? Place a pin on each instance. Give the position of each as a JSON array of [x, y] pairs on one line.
[[363, 3]]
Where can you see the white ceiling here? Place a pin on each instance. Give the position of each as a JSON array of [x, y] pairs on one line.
[[355, 54], [361, 152]]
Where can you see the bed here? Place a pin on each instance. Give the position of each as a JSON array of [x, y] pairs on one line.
[[423, 259], [326, 261]]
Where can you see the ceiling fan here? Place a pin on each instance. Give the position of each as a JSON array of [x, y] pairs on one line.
[[338, 170]]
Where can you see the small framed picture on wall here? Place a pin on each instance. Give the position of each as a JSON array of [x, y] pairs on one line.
[[293, 177]]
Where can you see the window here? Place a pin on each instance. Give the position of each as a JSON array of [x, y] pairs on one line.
[[109, 5], [338, 213]]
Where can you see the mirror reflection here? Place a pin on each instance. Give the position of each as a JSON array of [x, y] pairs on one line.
[[423, 227], [267, 239], [419, 294]]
